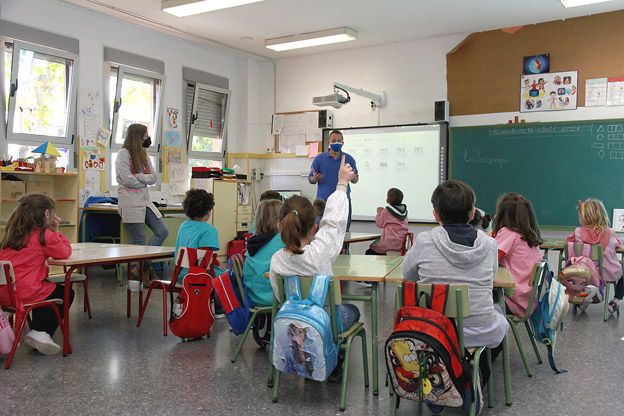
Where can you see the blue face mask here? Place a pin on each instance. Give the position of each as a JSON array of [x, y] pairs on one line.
[[336, 147]]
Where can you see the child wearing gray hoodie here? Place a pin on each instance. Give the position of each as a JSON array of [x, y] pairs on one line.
[[456, 253]]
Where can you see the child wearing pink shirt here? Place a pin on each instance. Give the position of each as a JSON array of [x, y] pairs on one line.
[[31, 238], [595, 229], [518, 237], [393, 223]]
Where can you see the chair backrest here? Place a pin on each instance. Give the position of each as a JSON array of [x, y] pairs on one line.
[[595, 253], [236, 263], [538, 274], [408, 242], [7, 278], [204, 258]]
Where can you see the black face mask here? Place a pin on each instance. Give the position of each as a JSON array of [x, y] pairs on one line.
[[148, 142]]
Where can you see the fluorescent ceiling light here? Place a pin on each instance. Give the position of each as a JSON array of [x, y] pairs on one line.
[[574, 3], [183, 8], [305, 40]]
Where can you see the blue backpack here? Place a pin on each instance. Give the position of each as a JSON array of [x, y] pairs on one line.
[[234, 305], [548, 316], [302, 340]]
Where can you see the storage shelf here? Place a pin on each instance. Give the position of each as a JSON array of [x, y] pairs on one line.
[[18, 172]]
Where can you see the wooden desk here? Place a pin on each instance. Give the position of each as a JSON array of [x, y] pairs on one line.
[[360, 237], [500, 284], [373, 270], [113, 209], [91, 254]]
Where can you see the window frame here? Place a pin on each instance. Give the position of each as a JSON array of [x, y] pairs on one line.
[[71, 96], [216, 156]]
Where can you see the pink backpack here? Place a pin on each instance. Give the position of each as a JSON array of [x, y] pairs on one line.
[[581, 277], [7, 336]]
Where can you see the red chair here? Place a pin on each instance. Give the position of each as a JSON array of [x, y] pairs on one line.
[[182, 260], [20, 310], [408, 242], [75, 278]]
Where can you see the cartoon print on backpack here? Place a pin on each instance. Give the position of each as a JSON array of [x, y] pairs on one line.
[[299, 360]]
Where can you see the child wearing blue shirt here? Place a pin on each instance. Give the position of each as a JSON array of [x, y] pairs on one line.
[[260, 249], [196, 232]]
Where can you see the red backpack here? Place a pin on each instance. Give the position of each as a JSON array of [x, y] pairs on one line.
[[191, 315], [422, 353]]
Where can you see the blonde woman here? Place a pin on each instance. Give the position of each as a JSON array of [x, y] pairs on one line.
[[134, 174]]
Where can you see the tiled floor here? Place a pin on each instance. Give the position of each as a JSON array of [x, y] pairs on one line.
[[118, 369]]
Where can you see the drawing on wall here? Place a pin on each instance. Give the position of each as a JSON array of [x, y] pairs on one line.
[[172, 114], [554, 91], [536, 64], [172, 138]]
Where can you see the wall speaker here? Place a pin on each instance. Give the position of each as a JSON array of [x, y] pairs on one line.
[[441, 111]]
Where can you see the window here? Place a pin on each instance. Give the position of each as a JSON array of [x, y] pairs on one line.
[[40, 93], [113, 160], [20, 151], [7, 60], [136, 98], [207, 122]]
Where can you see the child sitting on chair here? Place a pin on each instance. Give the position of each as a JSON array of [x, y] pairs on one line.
[[393, 222]]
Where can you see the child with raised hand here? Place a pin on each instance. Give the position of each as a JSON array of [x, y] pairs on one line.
[[393, 223], [595, 229], [311, 249], [31, 238], [518, 237], [260, 248]]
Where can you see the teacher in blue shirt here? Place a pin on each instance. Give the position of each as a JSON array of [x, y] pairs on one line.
[[325, 167]]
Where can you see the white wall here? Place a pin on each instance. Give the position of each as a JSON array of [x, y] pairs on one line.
[[94, 31]]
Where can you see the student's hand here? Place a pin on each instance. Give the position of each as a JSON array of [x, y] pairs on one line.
[[345, 174], [56, 221], [315, 177]]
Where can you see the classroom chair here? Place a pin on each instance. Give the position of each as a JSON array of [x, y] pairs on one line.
[[182, 260], [408, 242], [457, 308], [75, 278], [538, 275], [20, 311], [595, 253], [260, 315], [343, 340]]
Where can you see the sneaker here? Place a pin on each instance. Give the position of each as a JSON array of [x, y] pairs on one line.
[[614, 307], [219, 315], [42, 342]]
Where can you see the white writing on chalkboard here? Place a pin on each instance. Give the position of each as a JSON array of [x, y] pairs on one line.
[[477, 158], [558, 130]]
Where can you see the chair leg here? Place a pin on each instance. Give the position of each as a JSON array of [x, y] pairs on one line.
[[239, 347], [164, 309], [606, 302], [490, 384], [520, 348], [60, 323], [18, 328], [365, 357], [87, 304], [345, 374], [276, 380], [394, 402], [475, 381], [143, 307], [532, 338]]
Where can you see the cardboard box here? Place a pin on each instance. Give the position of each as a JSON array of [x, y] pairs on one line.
[[40, 187], [12, 189]]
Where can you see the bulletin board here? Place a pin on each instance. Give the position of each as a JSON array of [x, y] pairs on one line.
[[483, 71], [297, 133]]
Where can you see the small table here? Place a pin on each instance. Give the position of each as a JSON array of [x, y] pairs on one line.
[[92, 254], [360, 237], [373, 270], [500, 284]]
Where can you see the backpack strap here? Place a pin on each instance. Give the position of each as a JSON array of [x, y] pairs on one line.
[[409, 294], [570, 250], [319, 288], [586, 251], [292, 288], [439, 298]]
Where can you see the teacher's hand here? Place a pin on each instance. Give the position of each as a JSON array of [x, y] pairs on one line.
[[314, 177], [345, 174]]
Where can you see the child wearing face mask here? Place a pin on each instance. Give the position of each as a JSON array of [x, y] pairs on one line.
[[134, 174]]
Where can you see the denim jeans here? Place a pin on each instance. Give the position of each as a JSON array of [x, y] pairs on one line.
[[157, 225]]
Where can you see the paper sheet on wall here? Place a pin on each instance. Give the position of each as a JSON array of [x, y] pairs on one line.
[[294, 124], [171, 155], [92, 159], [92, 181], [313, 133], [615, 91], [103, 137], [178, 178], [89, 101], [289, 142], [278, 123], [172, 138], [596, 92], [89, 126], [618, 220], [301, 150], [313, 149]]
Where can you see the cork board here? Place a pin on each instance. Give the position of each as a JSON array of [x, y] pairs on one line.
[[483, 72]]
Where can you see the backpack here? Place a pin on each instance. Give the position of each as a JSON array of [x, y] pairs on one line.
[[552, 307], [236, 247], [7, 336], [229, 296], [422, 353], [191, 315], [581, 277], [302, 338]]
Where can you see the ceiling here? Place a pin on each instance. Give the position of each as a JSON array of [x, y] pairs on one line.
[[376, 21]]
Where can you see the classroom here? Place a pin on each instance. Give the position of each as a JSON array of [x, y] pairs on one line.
[[294, 207]]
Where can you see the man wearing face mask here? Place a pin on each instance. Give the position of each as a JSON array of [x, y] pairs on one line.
[[325, 167]]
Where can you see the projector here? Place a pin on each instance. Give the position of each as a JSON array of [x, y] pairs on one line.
[[332, 100]]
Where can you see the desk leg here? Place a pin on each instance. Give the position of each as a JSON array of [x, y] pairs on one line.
[[128, 294], [506, 369], [140, 285], [374, 290], [66, 345]]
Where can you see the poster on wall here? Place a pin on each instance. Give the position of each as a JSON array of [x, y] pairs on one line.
[[554, 91], [92, 159]]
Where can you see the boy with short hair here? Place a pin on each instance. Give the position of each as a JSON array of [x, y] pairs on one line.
[[393, 222], [456, 253]]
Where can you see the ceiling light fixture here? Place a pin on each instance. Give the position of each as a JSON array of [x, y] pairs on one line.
[[182, 8], [305, 40], [575, 3]]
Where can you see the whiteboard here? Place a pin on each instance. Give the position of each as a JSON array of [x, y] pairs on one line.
[[411, 158]]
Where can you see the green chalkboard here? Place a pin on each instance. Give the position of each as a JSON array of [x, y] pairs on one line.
[[552, 164]]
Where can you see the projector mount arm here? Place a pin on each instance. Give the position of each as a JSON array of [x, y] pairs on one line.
[[377, 101]]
